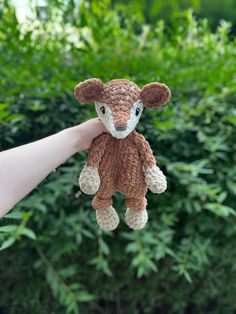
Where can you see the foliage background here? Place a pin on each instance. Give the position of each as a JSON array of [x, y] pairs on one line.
[[54, 259]]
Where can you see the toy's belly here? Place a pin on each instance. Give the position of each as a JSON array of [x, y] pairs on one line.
[[123, 166]]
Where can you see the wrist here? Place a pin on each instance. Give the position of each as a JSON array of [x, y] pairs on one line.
[[73, 138]]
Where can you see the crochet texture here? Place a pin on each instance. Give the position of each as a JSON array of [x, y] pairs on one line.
[[121, 160]]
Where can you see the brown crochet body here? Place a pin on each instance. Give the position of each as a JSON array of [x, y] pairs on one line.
[[121, 164]]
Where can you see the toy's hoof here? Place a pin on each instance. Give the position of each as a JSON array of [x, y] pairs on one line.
[[136, 219], [89, 180], [107, 218]]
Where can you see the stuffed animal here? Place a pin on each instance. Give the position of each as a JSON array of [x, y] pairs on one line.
[[121, 160]]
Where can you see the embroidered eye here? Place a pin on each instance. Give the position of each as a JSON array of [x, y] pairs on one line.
[[103, 110], [137, 111]]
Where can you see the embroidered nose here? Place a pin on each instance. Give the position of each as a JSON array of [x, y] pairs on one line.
[[120, 126]]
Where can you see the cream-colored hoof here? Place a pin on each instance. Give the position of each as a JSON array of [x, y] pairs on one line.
[[136, 219], [107, 218]]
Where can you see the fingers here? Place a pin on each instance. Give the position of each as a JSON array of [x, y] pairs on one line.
[[88, 131], [94, 126], [97, 122]]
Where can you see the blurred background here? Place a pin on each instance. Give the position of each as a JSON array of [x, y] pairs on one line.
[[54, 258]]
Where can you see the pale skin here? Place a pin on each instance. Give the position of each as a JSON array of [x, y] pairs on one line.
[[23, 168]]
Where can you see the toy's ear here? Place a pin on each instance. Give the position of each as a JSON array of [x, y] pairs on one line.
[[154, 95], [89, 90]]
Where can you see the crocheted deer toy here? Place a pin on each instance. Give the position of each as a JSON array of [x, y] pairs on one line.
[[122, 159]]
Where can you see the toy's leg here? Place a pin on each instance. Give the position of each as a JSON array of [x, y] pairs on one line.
[[136, 215], [106, 215]]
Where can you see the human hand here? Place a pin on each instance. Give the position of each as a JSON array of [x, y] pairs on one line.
[[87, 131]]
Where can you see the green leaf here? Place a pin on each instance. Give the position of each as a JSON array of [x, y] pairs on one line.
[[8, 228], [15, 215], [29, 233], [85, 297], [7, 243], [220, 210]]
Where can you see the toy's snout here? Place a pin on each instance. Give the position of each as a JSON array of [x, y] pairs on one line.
[[121, 126]]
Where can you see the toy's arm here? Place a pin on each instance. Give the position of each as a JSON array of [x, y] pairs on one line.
[[154, 177], [89, 180], [97, 150]]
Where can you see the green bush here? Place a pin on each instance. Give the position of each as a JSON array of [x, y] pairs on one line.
[[152, 10], [56, 259]]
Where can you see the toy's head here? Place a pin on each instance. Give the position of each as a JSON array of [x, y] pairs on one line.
[[119, 103]]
